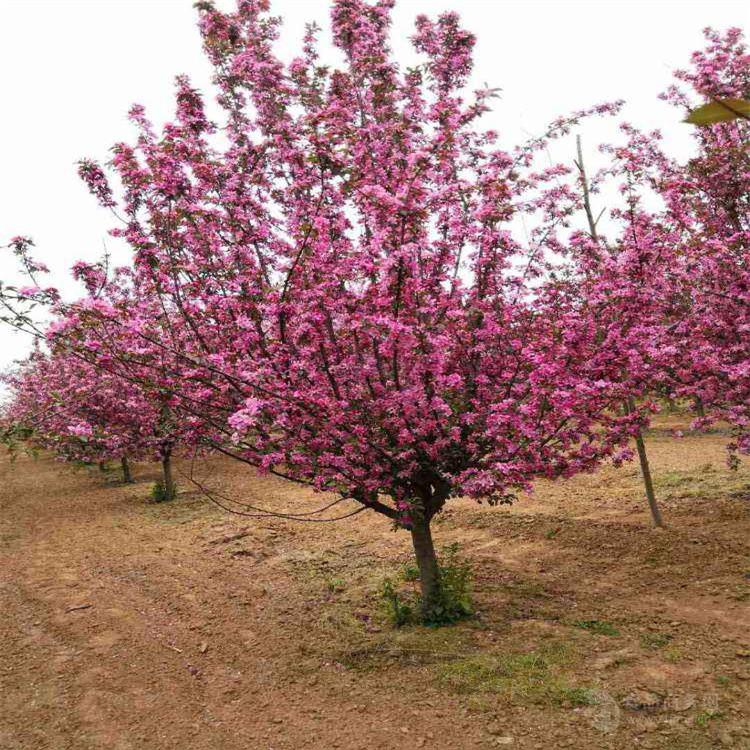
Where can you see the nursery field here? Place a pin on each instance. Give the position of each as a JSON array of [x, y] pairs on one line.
[[127, 624]]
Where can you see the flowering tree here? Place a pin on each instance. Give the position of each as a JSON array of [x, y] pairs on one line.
[[697, 240], [709, 199], [677, 267], [622, 282], [337, 280]]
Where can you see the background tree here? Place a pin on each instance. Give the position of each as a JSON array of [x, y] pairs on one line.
[[81, 413], [713, 200]]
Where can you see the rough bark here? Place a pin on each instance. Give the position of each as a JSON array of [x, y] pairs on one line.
[[170, 490], [127, 475], [429, 573]]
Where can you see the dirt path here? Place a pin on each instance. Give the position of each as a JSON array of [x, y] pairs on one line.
[[127, 625]]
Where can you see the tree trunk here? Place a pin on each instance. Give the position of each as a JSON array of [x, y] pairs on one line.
[[646, 471], [127, 476], [169, 486], [429, 574], [700, 411]]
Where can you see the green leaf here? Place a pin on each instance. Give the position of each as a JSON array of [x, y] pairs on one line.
[[720, 110]]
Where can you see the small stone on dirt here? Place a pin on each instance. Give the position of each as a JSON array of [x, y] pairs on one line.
[[612, 659], [203, 647], [642, 700], [681, 703]]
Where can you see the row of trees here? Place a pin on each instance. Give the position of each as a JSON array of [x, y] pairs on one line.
[[342, 279], [83, 414]]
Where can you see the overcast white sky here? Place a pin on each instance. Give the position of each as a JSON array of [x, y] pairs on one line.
[[70, 69]]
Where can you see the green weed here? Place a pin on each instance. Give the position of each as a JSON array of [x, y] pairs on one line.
[[704, 717], [452, 604], [159, 493], [530, 677], [600, 627]]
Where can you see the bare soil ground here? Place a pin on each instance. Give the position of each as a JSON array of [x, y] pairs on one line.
[[131, 625]]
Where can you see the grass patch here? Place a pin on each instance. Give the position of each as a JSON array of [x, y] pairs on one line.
[[600, 627], [705, 482], [338, 625], [530, 677], [408, 647], [527, 589], [703, 718], [326, 572], [674, 479]]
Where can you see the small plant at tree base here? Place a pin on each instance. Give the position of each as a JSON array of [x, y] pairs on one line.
[[451, 605], [161, 494], [397, 611], [410, 572], [14, 437], [454, 600]]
